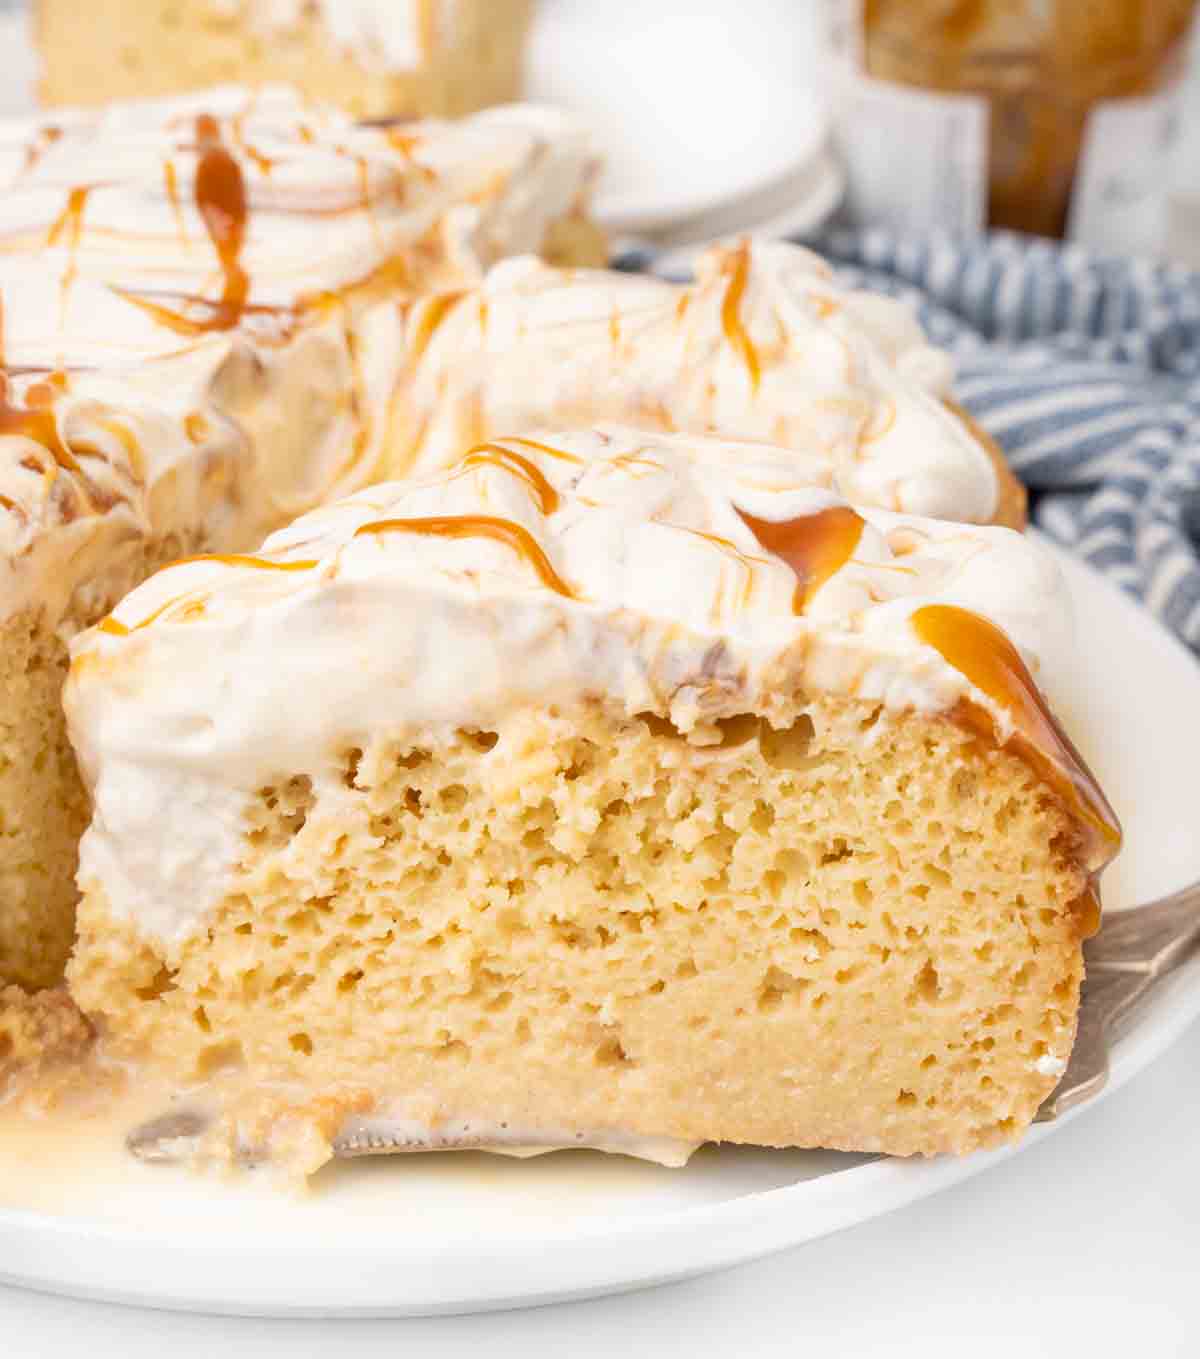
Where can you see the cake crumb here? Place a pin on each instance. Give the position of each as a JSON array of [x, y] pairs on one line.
[[38, 1030]]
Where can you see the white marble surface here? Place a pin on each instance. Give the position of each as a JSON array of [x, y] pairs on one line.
[[1088, 1244]]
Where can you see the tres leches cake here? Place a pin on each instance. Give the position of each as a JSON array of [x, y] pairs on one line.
[[375, 58], [607, 789], [764, 344], [198, 341]]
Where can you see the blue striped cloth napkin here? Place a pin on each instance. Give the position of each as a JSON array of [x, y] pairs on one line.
[[1087, 372]]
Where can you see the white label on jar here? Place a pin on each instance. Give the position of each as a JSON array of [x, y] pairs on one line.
[[1119, 201], [914, 159]]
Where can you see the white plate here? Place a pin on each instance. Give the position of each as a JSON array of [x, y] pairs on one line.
[[694, 106], [467, 1233]]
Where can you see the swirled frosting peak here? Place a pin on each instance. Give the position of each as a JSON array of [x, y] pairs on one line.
[[765, 344]]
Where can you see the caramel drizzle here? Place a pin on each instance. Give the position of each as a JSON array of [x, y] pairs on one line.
[[979, 651], [71, 217], [237, 125], [362, 168], [549, 450], [739, 559], [35, 420], [196, 427], [69, 222], [128, 441], [264, 163], [392, 275], [239, 559], [42, 141], [220, 194], [737, 266], [479, 526], [824, 307], [406, 143], [816, 546], [433, 313], [496, 455], [115, 628], [171, 183]]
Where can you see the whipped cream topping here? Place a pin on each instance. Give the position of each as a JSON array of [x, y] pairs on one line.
[[208, 282], [128, 195], [766, 344], [694, 578], [386, 35]]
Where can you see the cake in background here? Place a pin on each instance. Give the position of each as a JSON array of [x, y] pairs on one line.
[[765, 344], [607, 789], [198, 342], [375, 58]]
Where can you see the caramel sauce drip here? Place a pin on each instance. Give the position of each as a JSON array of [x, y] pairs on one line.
[[496, 455], [1088, 910], [816, 546], [979, 651], [480, 526], [220, 194], [737, 266]]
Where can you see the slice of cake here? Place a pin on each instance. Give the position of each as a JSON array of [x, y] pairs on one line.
[[606, 789], [198, 341], [375, 58], [765, 344]]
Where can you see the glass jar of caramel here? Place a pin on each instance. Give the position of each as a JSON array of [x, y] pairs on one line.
[[1039, 115]]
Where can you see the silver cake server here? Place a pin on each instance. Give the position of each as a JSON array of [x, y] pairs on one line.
[[1126, 961]]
